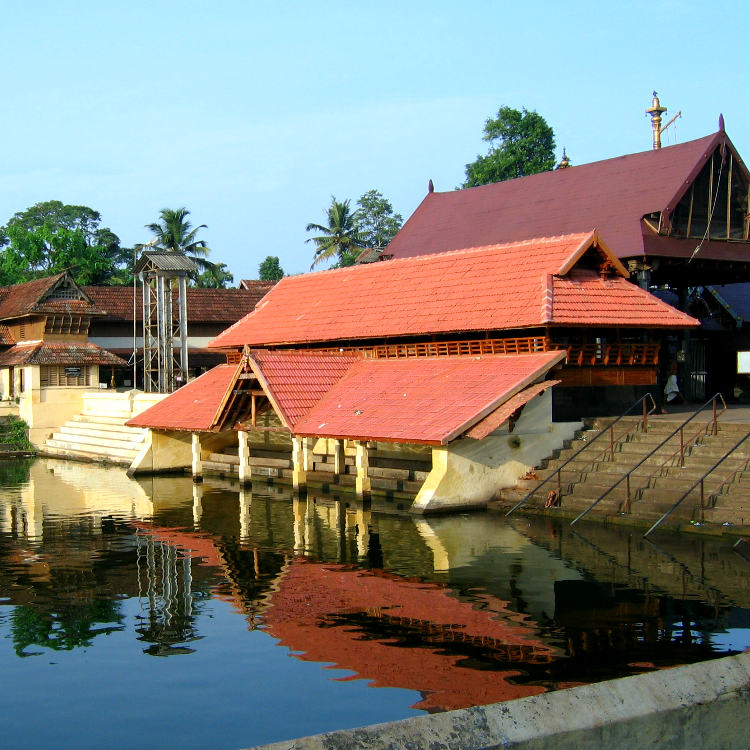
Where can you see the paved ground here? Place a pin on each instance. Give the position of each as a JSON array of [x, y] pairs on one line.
[[735, 413]]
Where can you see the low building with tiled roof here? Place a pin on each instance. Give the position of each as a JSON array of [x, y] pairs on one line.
[[428, 376], [46, 359], [209, 311]]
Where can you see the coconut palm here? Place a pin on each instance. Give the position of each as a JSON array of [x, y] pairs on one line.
[[175, 233], [340, 239]]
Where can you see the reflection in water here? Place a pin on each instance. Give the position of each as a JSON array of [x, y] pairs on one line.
[[456, 610]]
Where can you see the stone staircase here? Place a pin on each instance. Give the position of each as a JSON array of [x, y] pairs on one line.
[[656, 484], [95, 437]]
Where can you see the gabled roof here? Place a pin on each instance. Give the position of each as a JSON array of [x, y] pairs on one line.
[[31, 298], [499, 287], [612, 195], [193, 407], [45, 353], [431, 400], [203, 305], [296, 381], [164, 260]]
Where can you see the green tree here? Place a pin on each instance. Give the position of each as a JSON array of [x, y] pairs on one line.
[[174, 232], [51, 236], [377, 223], [270, 269], [216, 276], [522, 143], [340, 239]]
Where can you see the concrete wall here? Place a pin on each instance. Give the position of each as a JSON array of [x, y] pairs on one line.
[[164, 451], [469, 473], [698, 706]]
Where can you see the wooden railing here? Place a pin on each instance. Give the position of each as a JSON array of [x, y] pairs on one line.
[[525, 345], [586, 355]]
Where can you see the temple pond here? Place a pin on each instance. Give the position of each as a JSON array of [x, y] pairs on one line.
[[168, 614]]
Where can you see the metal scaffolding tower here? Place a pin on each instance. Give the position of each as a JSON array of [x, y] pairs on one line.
[[160, 273]]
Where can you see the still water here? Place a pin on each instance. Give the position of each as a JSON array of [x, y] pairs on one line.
[[165, 614]]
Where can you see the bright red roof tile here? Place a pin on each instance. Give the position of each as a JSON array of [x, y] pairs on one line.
[[193, 407], [429, 400], [296, 381], [478, 289]]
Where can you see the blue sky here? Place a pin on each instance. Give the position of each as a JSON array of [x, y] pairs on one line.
[[252, 115]]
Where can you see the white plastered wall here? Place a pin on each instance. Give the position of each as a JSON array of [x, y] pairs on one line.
[[469, 473]]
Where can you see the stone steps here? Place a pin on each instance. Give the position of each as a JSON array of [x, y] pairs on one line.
[[89, 437]]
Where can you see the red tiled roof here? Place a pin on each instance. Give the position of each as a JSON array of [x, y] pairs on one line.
[[426, 400], [6, 337], [258, 286], [26, 299], [203, 305], [296, 381], [499, 287], [45, 353], [611, 195], [193, 407]]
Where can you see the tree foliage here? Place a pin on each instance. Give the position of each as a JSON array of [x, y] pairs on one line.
[[377, 223], [522, 143], [51, 236], [340, 239], [270, 269], [175, 233]]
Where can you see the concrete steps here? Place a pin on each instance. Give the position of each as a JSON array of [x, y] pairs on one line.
[[90, 437], [656, 484]]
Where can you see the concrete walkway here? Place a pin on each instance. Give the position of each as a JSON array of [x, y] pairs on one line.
[[702, 705]]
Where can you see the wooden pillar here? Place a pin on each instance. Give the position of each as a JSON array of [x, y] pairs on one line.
[[197, 462], [339, 457], [362, 485], [243, 449]]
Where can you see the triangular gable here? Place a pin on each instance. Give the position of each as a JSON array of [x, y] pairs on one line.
[[42, 296]]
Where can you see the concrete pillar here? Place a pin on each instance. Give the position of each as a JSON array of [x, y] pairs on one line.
[[363, 517], [362, 485], [299, 507], [197, 462], [301, 461], [339, 460], [246, 498], [197, 504], [245, 470]]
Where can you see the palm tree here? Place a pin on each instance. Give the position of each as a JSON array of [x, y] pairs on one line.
[[176, 234], [340, 238]]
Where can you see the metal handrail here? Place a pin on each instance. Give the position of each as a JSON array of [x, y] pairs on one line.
[[681, 451], [646, 413], [626, 476], [700, 482]]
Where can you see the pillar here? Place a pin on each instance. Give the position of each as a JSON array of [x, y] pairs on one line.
[[245, 470], [245, 503], [197, 504], [302, 459], [339, 458], [197, 462], [362, 485]]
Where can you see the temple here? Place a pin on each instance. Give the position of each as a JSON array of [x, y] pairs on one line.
[[427, 377]]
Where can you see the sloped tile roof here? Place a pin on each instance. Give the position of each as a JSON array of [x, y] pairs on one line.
[[26, 299], [45, 353], [612, 195], [193, 407], [6, 337], [496, 418], [296, 381], [424, 400], [583, 295], [203, 305], [498, 287]]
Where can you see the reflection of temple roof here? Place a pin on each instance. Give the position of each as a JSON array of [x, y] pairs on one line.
[[353, 618]]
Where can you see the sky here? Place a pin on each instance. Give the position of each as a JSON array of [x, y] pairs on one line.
[[253, 115]]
